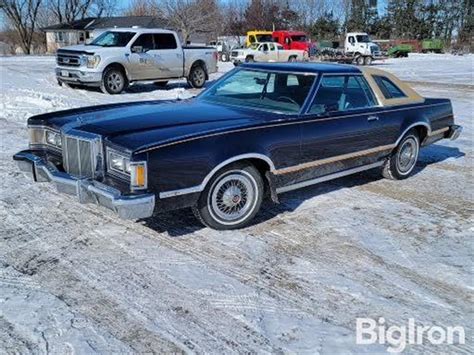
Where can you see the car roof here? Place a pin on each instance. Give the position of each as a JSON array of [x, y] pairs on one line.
[[305, 67], [139, 30]]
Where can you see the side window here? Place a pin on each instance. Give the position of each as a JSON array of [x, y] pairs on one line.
[[272, 47], [145, 41], [388, 88], [165, 41], [265, 47], [341, 93], [351, 40]]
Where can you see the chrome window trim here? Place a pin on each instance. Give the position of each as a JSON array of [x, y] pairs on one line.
[[270, 71], [378, 105]]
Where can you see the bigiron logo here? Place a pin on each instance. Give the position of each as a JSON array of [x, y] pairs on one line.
[[369, 331]]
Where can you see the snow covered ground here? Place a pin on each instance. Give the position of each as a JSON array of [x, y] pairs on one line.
[[76, 279]]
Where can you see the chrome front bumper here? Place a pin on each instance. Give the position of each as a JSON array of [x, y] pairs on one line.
[[74, 75], [454, 132], [86, 190]]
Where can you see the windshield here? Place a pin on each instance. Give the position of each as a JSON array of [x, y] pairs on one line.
[[264, 38], [299, 38], [363, 39], [272, 91], [113, 39]]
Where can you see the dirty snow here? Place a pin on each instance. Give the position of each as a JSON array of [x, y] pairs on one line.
[[76, 279]]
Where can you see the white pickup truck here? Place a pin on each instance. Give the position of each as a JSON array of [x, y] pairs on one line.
[[266, 52], [122, 56]]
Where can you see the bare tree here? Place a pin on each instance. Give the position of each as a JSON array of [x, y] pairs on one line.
[[142, 8], [22, 15], [191, 16], [69, 10]]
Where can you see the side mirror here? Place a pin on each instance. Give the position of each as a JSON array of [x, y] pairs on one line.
[[137, 49]]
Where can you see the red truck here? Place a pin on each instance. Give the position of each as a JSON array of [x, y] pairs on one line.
[[294, 40]]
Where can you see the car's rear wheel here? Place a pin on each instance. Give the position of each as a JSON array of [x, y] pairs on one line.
[[113, 81], [197, 77], [232, 198], [403, 159]]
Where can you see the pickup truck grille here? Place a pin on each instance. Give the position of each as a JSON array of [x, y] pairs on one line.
[[79, 156], [68, 60], [234, 54]]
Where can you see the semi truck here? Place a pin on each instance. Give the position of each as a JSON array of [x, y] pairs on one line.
[[358, 49]]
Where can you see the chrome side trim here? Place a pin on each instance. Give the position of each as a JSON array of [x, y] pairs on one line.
[[328, 177], [188, 138], [439, 131], [412, 126], [334, 159], [202, 186]]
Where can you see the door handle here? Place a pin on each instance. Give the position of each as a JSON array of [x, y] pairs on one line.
[[372, 118]]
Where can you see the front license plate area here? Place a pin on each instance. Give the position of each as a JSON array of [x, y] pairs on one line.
[[65, 73]]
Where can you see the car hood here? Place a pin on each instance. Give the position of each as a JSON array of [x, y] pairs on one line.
[[135, 126], [83, 48]]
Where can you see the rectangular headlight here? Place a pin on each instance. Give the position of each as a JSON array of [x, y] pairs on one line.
[[44, 136]]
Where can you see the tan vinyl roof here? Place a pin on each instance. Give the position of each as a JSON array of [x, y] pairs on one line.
[[411, 95]]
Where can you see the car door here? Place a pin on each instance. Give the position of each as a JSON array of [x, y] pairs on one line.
[[167, 56], [343, 127], [141, 60], [264, 53]]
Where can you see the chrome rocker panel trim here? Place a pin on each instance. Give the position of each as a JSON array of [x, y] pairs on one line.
[[87, 190]]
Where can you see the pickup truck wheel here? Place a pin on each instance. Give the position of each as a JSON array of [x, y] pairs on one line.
[[232, 198], [197, 77], [249, 59], [113, 81], [292, 59], [403, 159]]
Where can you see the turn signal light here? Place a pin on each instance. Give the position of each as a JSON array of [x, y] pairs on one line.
[[138, 175]]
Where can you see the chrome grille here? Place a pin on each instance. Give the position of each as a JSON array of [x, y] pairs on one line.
[[78, 157], [68, 60]]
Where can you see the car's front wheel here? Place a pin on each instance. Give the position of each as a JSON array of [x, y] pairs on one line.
[[403, 159], [114, 81], [232, 198]]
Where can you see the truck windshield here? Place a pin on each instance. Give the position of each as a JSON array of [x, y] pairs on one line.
[[264, 38], [113, 39], [299, 38], [270, 91], [363, 39]]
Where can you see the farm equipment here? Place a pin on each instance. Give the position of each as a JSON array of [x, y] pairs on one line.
[[400, 50], [432, 45]]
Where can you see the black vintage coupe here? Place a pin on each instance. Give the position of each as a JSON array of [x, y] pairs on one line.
[[261, 130]]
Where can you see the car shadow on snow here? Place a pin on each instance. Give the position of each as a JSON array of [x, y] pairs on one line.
[[182, 222]]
